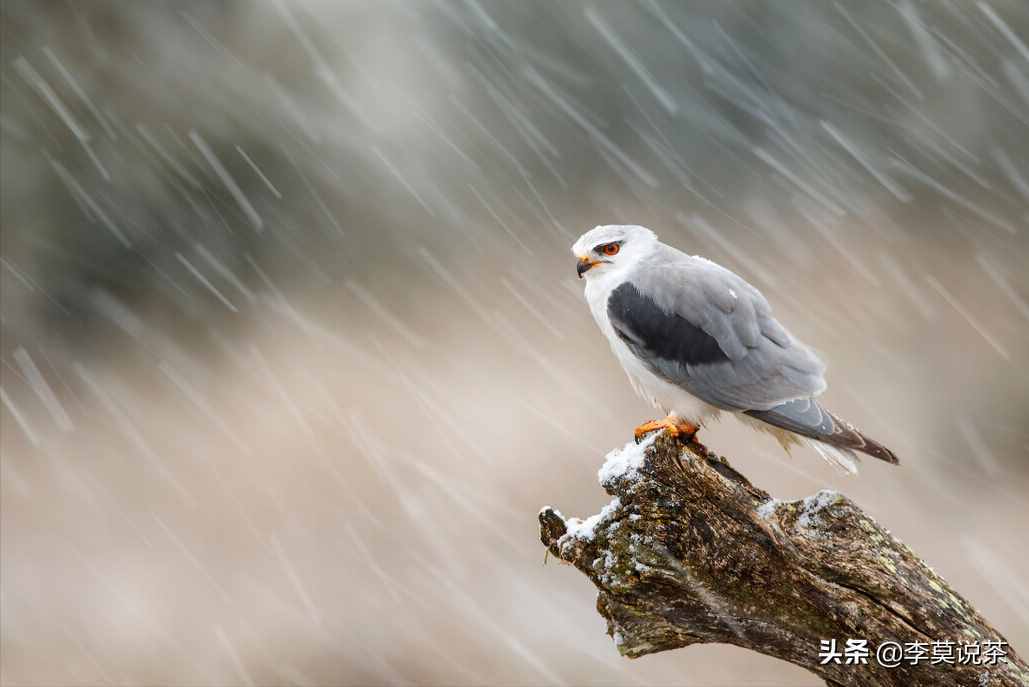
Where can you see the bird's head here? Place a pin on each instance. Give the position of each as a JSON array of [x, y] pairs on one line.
[[606, 248]]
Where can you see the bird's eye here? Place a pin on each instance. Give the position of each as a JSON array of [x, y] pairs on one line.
[[611, 248]]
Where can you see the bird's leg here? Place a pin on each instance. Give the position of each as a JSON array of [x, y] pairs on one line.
[[687, 429], [683, 430]]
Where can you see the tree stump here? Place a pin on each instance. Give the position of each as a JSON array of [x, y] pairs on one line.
[[689, 551]]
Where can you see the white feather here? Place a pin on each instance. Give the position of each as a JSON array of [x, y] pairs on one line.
[[671, 399]]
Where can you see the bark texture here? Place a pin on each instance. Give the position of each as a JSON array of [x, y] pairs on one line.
[[689, 552]]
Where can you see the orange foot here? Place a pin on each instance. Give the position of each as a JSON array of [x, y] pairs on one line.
[[683, 430]]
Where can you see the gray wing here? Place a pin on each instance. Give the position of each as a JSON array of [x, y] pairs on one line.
[[808, 418], [704, 328]]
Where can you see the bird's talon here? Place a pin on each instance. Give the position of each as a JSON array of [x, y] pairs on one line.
[[678, 429], [687, 431]]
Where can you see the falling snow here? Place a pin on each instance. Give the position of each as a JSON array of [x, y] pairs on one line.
[[292, 348]]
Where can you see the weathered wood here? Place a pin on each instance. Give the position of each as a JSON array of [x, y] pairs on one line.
[[690, 552]]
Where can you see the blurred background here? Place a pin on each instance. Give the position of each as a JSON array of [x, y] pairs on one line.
[[293, 349]]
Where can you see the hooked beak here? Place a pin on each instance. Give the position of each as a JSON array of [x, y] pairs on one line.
[[585, 264]]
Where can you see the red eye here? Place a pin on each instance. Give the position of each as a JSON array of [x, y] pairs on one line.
[[610, 248]]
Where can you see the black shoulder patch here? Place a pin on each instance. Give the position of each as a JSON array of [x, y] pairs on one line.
[[650, 332]]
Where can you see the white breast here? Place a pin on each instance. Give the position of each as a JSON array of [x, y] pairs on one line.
[[670, 398]]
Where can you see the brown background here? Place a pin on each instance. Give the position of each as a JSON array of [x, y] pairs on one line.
[[302, 425]]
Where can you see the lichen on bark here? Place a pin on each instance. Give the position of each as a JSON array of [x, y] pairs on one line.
[[689, 551]]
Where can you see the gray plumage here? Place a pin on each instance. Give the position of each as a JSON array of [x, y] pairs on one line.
[[681, 323], [763, 365]]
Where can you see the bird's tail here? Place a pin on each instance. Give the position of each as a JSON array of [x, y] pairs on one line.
[[808, 418]]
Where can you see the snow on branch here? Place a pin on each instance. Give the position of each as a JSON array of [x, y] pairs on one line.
[[688, 551]]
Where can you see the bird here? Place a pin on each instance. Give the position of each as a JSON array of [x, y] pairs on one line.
[[697, 340]]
